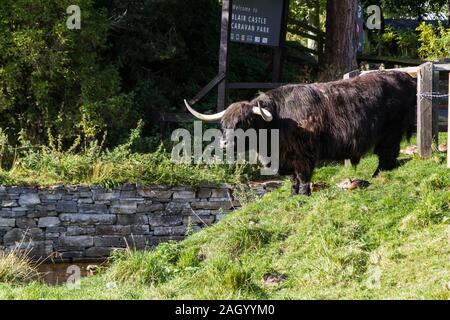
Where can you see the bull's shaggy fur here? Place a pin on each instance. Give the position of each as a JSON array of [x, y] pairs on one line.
[[334, 121]]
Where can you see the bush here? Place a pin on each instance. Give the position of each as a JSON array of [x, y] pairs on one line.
[[434, 42], [55, 78]]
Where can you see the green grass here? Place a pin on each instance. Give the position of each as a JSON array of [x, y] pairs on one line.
[[44, 168], [390, 241]]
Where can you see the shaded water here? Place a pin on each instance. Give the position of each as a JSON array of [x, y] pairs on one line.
[[59, 273]]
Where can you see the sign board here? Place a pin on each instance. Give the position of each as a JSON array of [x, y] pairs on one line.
[[257, 22]]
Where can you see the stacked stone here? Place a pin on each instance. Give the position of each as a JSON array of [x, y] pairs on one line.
[[88, 222]]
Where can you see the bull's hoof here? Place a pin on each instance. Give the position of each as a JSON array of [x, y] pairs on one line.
[[304, 190]]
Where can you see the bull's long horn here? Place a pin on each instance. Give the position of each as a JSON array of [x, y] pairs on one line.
[[266, 115], [204, 117]]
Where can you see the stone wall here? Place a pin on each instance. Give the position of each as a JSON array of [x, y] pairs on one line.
[[77, 223]]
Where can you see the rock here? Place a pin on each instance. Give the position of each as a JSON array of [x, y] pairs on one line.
[[52, 197], [80, 231], [108, 196], [140, 230], [113, 230], [174, 208], [203, 221], [29, 199], [110, 241], [19, 235], [127, 194], [146, 193], [124, 207], [71, 254], [85, 201], [204, 193], [156, 220], [170, 231], [8, 213], [212, 205], [88, 219], [183, 195], [85, 194], [163, 195], [67, 207], [135, 219], [220, 193], [7, 222], [93, 208], [9, 203], [147, 208], [97, 252], [75, 242], [26, 223], [47, 222]]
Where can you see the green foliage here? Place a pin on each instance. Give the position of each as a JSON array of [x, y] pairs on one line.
[[407, 8], [88, 162], [434, 42], [54, 78]]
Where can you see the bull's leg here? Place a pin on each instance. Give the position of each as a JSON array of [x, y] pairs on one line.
[[355, 162], [301, 182], [387, 154], [295, 185]]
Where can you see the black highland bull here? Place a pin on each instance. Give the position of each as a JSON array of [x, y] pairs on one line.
[[331, 121]]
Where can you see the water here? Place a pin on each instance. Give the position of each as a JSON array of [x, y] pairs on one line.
[[59, 273]]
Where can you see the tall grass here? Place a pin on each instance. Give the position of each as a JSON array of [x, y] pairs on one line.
[[16, 267], [94, 164]]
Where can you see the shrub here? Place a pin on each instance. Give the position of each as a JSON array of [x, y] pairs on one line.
[[434, 42]]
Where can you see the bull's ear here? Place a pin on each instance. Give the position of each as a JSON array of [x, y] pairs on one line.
[[265, 114]]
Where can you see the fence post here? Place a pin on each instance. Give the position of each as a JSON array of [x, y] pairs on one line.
[[435, 101], [425, 110]]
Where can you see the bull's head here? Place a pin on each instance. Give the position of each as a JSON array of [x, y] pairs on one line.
[[239, 115]]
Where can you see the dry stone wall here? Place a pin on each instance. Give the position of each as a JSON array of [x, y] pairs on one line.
[[76, 223]]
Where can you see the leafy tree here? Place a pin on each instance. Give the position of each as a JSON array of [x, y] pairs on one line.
[[55, 78], [407, 8]]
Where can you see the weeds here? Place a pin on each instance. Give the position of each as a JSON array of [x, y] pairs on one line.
[[16, 267]]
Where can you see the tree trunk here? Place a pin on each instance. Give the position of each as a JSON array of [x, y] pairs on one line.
[[342, 39]]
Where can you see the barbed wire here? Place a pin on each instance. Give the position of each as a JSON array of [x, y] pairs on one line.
[[433, 95]]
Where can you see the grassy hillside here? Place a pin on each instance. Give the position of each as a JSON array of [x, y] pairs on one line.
[[391, 240]]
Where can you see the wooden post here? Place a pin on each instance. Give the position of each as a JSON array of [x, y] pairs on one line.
[[279, 52], [448, 124], [435, 106], [222, 99], [425, 110]]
